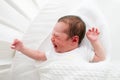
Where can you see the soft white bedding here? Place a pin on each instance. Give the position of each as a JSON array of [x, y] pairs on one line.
[[67, 70], [37, 37]]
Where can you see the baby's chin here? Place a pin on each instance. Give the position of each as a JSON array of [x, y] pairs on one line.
[[58, 51]]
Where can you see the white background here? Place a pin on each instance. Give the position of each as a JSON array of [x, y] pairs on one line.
[[111, 9]]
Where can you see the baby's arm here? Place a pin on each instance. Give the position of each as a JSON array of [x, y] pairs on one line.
[[35, 54], [92, 35]]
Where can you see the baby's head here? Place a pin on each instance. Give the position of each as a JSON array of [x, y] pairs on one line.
[[76, 26], [68, 33]]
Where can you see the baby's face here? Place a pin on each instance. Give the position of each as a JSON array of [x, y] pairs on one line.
[[60, 39]]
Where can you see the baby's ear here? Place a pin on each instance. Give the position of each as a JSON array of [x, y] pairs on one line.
[[75, 39]]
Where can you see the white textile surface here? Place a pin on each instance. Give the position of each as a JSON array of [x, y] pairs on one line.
[[37, 37], [67, 70]]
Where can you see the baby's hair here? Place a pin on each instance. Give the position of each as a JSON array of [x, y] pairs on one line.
[[76, 26]]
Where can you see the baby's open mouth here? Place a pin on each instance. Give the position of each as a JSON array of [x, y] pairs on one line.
[[55, 46]]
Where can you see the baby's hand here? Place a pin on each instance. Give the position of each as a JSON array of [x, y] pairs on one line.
[[92, 34], [17, 45]]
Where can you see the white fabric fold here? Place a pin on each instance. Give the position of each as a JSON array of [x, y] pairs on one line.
[[38, 37]]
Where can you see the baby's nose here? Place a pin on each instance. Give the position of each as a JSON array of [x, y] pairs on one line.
[[53, 39]]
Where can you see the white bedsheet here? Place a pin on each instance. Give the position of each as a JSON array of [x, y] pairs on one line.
[[37, 36]]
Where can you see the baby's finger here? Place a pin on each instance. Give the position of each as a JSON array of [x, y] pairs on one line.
[[12, 47], [93, 29], [97, 31], [90, 30], [15, 42]]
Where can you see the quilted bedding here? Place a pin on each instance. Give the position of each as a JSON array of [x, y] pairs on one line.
[[67, 70]]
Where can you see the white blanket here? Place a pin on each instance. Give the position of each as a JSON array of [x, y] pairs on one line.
[[67, 70], [37, 36], [24, 68]]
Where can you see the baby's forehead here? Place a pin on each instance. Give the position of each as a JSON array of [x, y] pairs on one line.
[[61, 27], [58, 32]]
